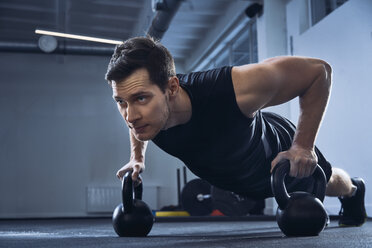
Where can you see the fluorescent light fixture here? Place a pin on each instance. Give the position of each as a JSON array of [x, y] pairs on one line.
[[79, 37]]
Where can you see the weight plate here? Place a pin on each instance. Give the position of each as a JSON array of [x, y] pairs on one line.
[[189, 198]]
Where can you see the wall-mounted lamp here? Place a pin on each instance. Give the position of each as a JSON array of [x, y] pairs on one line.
[[47, 43]]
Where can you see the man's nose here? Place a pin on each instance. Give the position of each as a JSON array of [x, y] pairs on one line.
[[132, 115]]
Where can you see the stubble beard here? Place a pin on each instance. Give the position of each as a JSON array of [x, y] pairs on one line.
[[165, 117]]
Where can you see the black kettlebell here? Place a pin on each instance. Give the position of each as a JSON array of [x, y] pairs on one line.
[[299, 213], [132, 218]]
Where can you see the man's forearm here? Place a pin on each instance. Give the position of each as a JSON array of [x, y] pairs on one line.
[[138, 148], [313, 103]]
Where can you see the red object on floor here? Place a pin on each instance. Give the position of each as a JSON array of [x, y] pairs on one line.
[[216, 212]]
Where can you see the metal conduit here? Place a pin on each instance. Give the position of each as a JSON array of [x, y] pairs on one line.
[[165, 12]]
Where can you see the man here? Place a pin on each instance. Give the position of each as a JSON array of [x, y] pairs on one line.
[[213, 122]]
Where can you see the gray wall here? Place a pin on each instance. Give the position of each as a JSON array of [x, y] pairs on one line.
[[344, 39], [61, 133]]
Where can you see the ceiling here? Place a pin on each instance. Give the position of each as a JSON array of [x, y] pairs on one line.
[[196, 26]]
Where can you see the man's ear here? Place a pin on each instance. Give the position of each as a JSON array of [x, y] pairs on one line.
[[173, 86]]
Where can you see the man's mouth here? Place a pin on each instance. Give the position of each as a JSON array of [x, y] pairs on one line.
[[140, 129]]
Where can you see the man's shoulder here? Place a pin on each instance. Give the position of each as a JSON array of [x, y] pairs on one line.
[[205, 76]]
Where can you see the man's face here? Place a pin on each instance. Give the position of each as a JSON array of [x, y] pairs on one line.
[[142, 104]]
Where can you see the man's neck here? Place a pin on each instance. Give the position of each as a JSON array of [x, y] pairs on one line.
[[180, 109]]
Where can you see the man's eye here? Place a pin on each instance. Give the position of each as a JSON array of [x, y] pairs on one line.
[[121, 103], [141, 98]]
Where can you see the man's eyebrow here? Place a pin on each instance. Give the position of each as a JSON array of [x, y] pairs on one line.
[[138, 94], [131, 96], [116, 98]]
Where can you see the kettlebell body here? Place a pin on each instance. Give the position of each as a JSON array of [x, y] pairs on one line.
[[304, 215], [138, 223], [299, 213], [133, 217]]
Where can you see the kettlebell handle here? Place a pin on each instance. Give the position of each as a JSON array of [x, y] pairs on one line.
[[127, 192], [279, 189]]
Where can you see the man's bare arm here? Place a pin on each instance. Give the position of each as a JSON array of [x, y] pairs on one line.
[[137, 158], [138, 148], [279, 80]]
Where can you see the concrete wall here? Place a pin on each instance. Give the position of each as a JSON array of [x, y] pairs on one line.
[[344, 39], [61, 133]]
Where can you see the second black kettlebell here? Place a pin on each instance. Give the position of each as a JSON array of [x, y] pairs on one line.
[[299, 213], [132, 218]]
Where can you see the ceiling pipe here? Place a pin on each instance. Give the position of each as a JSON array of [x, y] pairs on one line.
[[165, 11], [61, 49]]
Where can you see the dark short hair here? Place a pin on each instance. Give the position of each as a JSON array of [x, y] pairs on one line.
[[141, 52]]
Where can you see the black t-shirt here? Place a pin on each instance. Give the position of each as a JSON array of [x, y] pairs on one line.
[[219, 143]]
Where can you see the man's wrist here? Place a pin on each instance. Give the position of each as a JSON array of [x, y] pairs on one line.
[[139, 159], [299, 145]]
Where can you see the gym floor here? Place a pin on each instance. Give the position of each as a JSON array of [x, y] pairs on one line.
[[249, 232]]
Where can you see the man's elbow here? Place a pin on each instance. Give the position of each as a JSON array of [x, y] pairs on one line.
[[328, 69], [326, 72]]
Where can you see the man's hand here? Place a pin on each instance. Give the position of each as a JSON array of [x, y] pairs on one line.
[[135, 166], [303, 161]]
